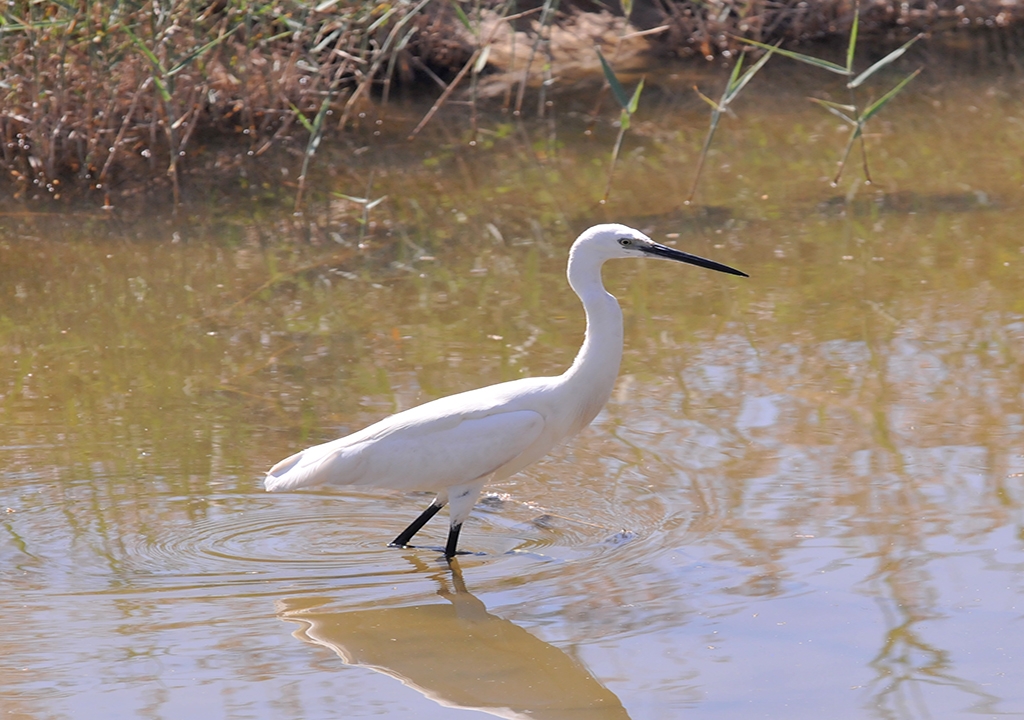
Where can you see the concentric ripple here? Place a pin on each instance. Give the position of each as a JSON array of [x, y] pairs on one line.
[[311, 537], [295, 535]]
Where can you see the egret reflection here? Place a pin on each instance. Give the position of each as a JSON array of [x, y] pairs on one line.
[[459, 655]]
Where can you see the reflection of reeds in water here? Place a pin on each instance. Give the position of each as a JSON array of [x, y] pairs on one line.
[[459, 655], [865, 399]]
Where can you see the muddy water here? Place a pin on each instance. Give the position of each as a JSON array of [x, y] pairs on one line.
[[805, 498]]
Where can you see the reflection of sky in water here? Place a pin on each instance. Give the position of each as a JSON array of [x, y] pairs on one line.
[[758, 412], [752, 523]]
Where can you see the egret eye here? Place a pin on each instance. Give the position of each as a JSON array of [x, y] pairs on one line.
[[625, 242]]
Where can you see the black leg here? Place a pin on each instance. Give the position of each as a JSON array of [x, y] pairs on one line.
[[453, 541], [406, 535]]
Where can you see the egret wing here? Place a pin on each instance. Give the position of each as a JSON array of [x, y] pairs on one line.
[[431, 455]]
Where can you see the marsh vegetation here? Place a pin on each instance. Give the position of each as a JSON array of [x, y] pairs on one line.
[[109, 99]]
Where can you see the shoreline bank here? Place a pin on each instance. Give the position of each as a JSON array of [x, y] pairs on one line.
[[99, 105]]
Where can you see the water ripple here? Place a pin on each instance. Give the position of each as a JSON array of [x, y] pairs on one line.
[[316, 539]]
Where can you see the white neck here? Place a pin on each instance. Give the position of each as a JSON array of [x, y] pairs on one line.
[[597, 364]]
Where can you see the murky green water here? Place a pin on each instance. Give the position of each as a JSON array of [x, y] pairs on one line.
[[805, 499]]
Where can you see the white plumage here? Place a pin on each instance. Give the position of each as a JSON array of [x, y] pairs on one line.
[[454, 445]]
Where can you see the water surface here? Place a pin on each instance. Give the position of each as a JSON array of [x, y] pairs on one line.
[[805, 498]]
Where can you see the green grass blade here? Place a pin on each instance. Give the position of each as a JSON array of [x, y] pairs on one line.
[[884, 61], [837, 109], [880, 102], [461, 15], [303, 119], [735, 88], [734, 75], [318, 121], [153, 60], [160, 73], [714, 106], [799, 57], [613, 82], [837, 106], [14, 24], [851, 49], [634, 101], [162, 88], [202, 50]]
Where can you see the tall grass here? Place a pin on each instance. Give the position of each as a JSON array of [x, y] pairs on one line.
[[112, 94], [101, 92]]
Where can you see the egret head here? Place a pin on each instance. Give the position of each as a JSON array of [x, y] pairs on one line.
[[606, 242]]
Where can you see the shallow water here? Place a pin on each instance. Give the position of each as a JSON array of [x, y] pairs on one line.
[[805, 498]]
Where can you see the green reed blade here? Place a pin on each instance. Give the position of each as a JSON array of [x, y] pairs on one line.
[[302, 119], [852, 47], [800, 57], [202, 51], [734, 86], [634, 102], [884, 61], [877, 104], [837, 109], [461, 15], [714, 106], [613, 82]]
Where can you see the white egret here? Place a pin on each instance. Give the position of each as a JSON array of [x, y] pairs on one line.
[[454, 445]]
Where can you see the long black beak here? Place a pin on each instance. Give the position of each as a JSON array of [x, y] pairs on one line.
[[664, 251]]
